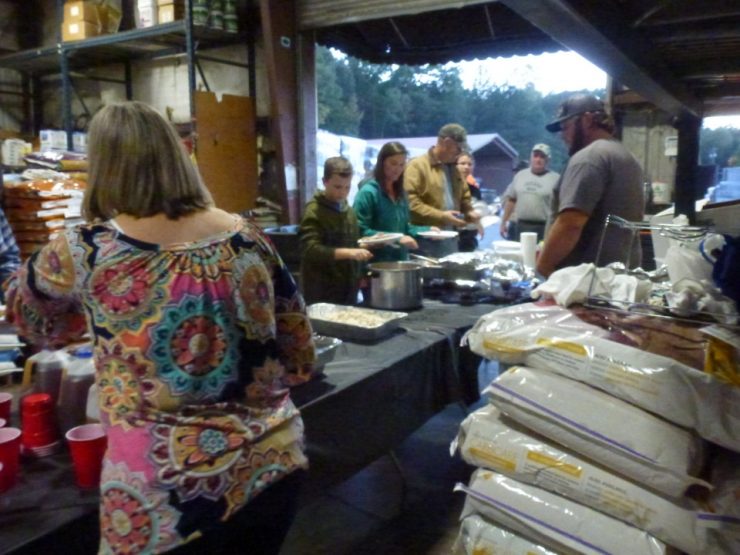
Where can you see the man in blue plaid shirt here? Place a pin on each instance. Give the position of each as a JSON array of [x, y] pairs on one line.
[[10, 258]]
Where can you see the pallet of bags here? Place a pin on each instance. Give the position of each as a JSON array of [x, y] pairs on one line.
[[481, 537], [555, 339], [489, 440], [552, 521]]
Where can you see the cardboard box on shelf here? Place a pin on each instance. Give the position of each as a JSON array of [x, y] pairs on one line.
[[146, 13], [170, 12], [52, 139], [78, 30], [79, 141], [83, 10]]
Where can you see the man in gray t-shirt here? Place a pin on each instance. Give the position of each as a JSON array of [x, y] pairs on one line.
[[601, 178], [528, 197]]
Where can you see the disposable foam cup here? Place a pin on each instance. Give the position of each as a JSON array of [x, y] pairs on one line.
[[528, 240], [5, 400], [87, 444], [10, 447]]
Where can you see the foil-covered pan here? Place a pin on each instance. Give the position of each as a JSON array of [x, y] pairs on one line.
[[353, 323]]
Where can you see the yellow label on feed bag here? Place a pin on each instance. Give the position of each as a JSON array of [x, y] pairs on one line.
[[493, 459], [554, 464]]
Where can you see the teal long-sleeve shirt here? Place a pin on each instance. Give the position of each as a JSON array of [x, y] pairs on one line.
[[376, 212]]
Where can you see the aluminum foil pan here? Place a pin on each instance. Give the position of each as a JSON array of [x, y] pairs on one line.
[[353, 323]]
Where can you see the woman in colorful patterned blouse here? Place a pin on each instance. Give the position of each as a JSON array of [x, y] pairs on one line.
[[198, 330]]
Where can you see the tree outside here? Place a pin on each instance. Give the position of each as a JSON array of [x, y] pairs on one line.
[[374, 101]]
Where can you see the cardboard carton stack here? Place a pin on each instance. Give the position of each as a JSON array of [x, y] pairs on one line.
[[170, 10], [84, 19]]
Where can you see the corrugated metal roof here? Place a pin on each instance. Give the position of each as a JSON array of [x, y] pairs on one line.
[[682, 56], [476, 141], [317, 14]]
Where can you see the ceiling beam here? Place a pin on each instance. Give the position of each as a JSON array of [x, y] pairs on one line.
[[607, 40]]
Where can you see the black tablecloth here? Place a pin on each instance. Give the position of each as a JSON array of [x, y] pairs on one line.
[[370, 399]]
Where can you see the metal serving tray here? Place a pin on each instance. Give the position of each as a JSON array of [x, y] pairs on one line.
[[353, 323]]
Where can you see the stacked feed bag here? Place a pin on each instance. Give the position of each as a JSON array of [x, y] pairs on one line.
[[599, 430]]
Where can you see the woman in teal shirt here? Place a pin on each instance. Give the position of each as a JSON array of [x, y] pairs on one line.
[[381, 206]]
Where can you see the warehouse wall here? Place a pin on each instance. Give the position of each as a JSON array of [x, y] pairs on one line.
[[162, 83], [644, 133]]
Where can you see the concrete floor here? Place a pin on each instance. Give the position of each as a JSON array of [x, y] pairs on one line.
[[378, 511]]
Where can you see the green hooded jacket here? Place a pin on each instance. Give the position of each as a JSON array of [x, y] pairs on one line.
[[377, 213], [325, 227]]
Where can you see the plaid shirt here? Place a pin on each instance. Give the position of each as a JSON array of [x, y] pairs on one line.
[[10, 258]]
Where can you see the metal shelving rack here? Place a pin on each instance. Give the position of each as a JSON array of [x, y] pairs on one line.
[[175, 39], [677, 232]]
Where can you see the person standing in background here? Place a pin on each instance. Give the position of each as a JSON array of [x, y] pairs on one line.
[[528, 197], [381, 205], [467, 241], [436, 191], [331, 262], [466, 167], [10, 258], [602, 178], [198, 330]]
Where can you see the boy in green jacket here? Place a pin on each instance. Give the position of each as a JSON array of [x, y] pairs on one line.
[[331, 262]]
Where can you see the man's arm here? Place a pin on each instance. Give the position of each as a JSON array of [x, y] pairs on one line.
[[561, 239], [508, 210]]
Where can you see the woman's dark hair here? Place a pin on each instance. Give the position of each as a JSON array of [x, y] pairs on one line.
[[386, 151]]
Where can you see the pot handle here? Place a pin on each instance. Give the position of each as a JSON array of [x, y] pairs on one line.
[[373, 274]]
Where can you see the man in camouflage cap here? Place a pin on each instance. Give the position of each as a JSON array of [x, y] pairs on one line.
[[437, 194]]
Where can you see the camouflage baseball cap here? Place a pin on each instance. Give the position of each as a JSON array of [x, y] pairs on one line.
[[457, 133]]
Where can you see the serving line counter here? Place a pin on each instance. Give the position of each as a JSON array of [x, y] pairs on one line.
[[371, 397]]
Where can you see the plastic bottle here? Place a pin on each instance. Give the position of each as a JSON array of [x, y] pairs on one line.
[[48, 367], [76, 382], [92, 410]]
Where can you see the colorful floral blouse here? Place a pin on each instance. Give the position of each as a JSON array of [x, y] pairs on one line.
[[194, 345]]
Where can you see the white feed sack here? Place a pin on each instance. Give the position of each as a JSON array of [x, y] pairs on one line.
[[675, 391], [509, 334], [552, 521], [488, 439], [722, 517], [620, 436], [480, 537]]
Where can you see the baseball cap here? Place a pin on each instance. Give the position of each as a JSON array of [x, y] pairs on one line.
[[457, 133], [543, 148], [575, 106]]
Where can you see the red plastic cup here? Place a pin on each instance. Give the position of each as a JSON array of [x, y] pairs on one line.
[[87, 443], [10, 449], [5, 400], [38, 421]]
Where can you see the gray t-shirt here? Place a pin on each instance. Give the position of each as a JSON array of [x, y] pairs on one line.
[[532, 194], [601, 179]]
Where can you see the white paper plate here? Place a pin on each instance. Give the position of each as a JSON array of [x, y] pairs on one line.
[[380, 239], [444, 234]]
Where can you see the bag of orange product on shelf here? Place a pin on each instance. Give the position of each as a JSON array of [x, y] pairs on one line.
[[41, 188], [37, 225]]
